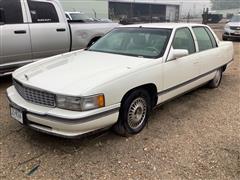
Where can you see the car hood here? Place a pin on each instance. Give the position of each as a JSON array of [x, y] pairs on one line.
[[234, 23], [75, 73]]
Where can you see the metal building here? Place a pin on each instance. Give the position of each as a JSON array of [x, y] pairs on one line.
[[144, 11]]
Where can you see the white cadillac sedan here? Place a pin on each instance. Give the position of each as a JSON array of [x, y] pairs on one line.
[[118, 80]]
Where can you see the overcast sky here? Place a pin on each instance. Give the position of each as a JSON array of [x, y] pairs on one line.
[[194, 7]]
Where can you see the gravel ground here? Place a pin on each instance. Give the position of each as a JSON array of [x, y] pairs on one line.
[[196, 136]]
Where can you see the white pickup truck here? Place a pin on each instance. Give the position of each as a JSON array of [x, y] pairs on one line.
[[35, 29]]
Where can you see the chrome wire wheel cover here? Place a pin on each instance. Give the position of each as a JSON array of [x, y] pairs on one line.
[[217, 78], [137, 113]]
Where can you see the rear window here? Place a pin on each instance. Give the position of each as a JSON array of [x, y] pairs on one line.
[[12, 10], [43, 12]]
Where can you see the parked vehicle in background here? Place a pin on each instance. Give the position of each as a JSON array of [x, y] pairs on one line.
[[105, 20], [232, 29], [78, 16], [31, 30], [82, 17], [211, 17], [118, 80]]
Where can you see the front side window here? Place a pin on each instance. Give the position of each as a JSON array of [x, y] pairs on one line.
[[203, 39], [43, 12], [12, 11], [139, 42], [184, 40]]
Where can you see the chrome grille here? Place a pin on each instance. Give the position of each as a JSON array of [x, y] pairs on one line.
[[235, 27], [35, 96]]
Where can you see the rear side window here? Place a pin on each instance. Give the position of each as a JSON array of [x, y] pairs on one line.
[[204, 40], [214, 43], [12, 11], [42, 12], [184, 40]]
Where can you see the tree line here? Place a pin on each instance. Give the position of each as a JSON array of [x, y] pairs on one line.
[[225, 4]]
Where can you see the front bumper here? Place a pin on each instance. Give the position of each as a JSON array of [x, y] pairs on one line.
[[231, 35], [60, 122]]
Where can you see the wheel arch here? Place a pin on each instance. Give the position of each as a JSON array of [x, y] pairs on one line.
[[150, 88], [93, 40]]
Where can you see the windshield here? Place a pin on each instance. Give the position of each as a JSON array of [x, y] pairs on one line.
[[139, 42], [235, 18], [80, 17]]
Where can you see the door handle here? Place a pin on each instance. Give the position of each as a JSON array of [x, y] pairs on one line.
[[61, 30], [195, 63], [20, 32]]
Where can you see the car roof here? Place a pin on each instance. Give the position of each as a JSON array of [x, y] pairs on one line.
[[165, 25]]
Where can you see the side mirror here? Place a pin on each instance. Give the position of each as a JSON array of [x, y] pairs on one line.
[[228, 21], [2, 16], [178, 53]]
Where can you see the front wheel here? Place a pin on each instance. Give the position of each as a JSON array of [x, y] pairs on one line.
[[216, 81], [134, 113]]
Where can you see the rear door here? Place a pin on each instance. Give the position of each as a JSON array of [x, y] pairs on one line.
[[209, 55], [14, 34], [49, 31]]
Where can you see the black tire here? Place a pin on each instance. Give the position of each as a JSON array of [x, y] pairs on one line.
[[216, 81], [224, 38], [224, 68], [132, 106]]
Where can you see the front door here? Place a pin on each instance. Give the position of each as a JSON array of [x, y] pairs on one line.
[[180, 73]]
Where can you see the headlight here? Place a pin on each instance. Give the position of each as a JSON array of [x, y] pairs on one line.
[[80, 103]]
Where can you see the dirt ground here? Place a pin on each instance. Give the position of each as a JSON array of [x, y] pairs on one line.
[[196, 136]]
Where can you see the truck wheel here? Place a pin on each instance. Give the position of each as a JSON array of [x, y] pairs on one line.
[[134, 113], [216, 81]]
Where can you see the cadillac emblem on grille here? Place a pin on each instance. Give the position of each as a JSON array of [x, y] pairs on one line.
[[35, 96], [26, 76]]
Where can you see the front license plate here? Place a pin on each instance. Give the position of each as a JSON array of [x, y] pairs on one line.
[[16, 114], [237, 32]]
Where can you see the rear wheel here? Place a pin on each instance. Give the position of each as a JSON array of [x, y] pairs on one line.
[[134, 113], [216, 81]]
